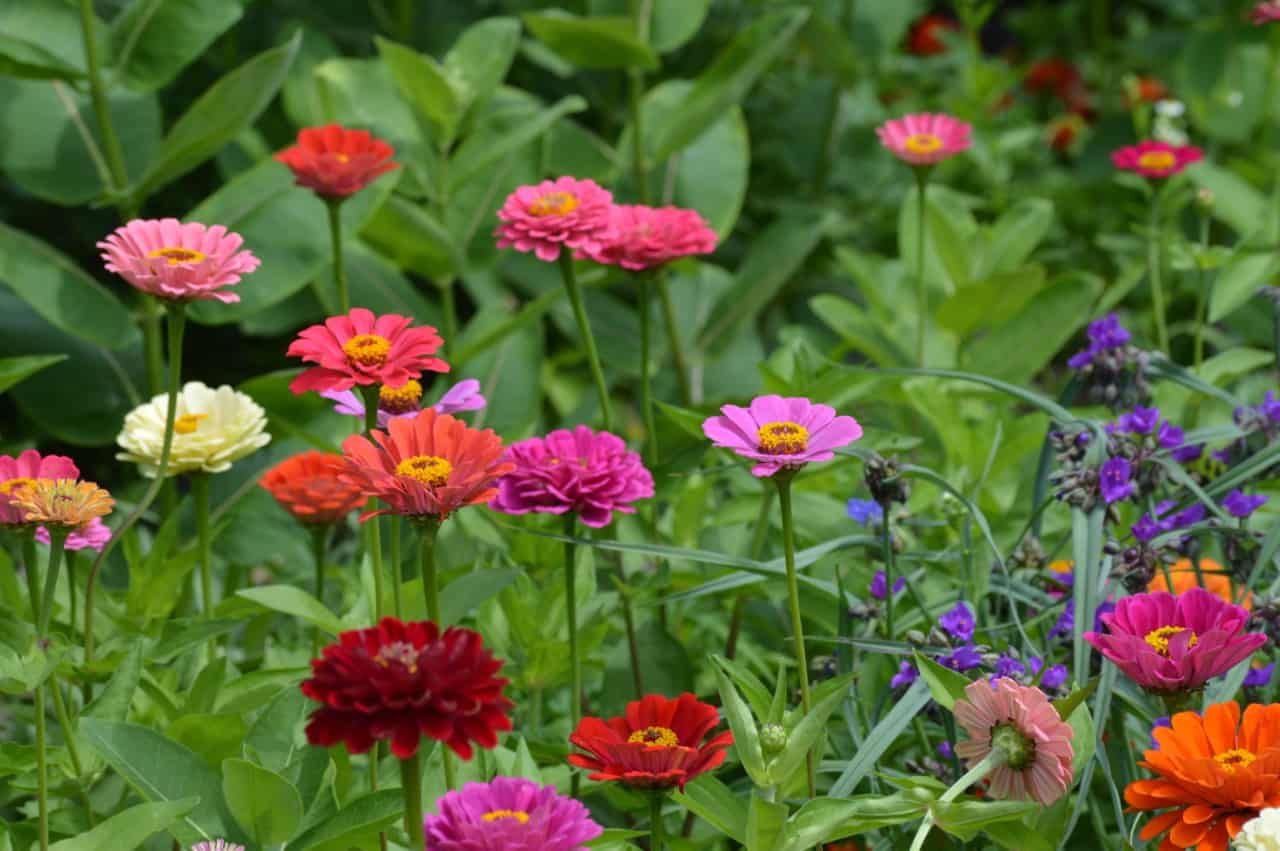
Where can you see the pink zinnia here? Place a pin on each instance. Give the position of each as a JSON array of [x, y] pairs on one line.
[[171, 260], [562, 212], [1265, 13], [1171, 644], [925, 138], [94, 536], [1020, 722], [643, 237], [589, 473], [406, 401], [509, 814], [25, 470], [781, 433], [1156, 159], [360, 348], [335, 162]]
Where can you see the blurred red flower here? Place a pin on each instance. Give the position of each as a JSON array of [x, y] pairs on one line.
[[335, 162]]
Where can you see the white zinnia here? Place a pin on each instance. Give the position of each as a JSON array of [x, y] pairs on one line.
[[214, 428], [1260, 834]]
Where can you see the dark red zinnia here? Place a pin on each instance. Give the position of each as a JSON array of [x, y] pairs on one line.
[[657, 744], [335, 162], [925, 36], [402, 681]]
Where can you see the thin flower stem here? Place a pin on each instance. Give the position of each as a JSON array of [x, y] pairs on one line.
[[431, 595], [1153, 270], [673, 340], [319, 548], [571, 615], [335, 243], [373, 786], [979, 771], [640, 14], [411, 786], [41, 603], [886, 546], [657, 838], [922, 288], [153, 354], [372, 530], [783, 482], [397, 605], [57, 545], [73, 750], [200, 506], [31, 565], [42, 768], [646, 387], [1202, 295], [98, 94], [588, 339], [69, 558]]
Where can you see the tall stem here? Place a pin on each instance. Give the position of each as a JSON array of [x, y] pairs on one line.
[[588, 339], [200, 505], [397, 605], [1202, 295], [640, 11], [431, 595], [922, 288], [319, 548], [57, 544], [571, 615], [372, 528], [41, 603], [657, 838], [31, 564], [678, 359], [783, 481], [1153, 271], [152, 351], [886, 546], [98, 94], [411, 786], [42, 768], [646, 387], [335, 243], [974, 774]]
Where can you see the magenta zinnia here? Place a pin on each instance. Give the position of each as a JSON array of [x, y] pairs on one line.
[[781, 433], [925, 138], [509, 814], [1156, 159], [363, 349], [1171, 644], [176, 261], [1265, 13], [643, 237], [566, 212]]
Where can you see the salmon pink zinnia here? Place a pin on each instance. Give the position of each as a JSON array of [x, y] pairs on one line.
[[509, 814], [643, 237], [564, 212], [1156, 159], [925, 138], [25, 470], [170, 260], [360, 348], [310, 486], [335, 162], [781, 433]]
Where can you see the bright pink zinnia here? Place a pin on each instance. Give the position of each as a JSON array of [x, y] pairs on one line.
[[509, 814], [364, 349], [94, 536], [925, 138], [781, 433], [1156, 159], [171, 260], [643, 237], [1021, 722], [562, 212], [24, 470], [589, 473], [1171, 644], [1265, 13]]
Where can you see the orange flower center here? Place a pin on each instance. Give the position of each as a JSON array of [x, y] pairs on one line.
[[341, 157], [655, 737], [177, 256], [431, 470], [1159, 638], [497, 815], [367, 349], [1062, 566], [13, 484], [400, 653], [784, 438], [554, 204], [1157, 160], [188, 423], [400, 400], [1235, 759], [922, 143]]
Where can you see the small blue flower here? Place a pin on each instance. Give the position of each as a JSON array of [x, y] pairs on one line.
[[1139, 421], [1114, 480], [1188, 453], [1259, 677], [866, 512], [958, 622], [1055, 677], [1104, 334], [964, 658], [1240, 504], [907, 674], [945, 749]]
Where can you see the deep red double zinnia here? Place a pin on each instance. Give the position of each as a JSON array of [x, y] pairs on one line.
[[657, 744], [364, 349], [335, 162], [402, 681]]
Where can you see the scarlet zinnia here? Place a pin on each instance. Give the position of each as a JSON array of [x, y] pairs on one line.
[[311, 488], [360, 348], [176, 261], [1156, 160], [563, 212], [24, 470], [61, 503], [657, 744], [1215, 774], [428, 466], [335, 162], [402, 681], [643, 237]]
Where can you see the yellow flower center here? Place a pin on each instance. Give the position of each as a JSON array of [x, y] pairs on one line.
[[367, 349], [922, 143], [402, 399], [342, 158], [1234, 759], [13, 484], [177, 256], [1159, 638], [784, 438], [188, 423], [401, 653], [495, 815], [554, 204], [1157, 160], [429, 469], [655, 737]]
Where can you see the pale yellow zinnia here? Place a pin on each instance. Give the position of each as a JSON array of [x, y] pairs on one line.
[[214, 429]]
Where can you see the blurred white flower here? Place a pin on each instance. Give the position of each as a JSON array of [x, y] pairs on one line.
[[214, 428], [1261, 834], [1171, 108]]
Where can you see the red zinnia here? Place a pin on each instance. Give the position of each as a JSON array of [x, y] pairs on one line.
[[335, 162], [923, 40], [1052, 76], [656, 745], [308, 487], [402, 681], [360, 348]]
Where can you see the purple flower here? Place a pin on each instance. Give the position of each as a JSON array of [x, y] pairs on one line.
[[945, 749], [1139, 421], [866, 512], [404, 402], [1113, 480], [510, 813], [907, 674], [963, 658], [1270, 407], [1146, 528], [1170, 436], [1259, 677], [959, 622], [1187, 454], [1008, 666], [1055, 677], [1104, 334], [1065, 626], [878, 585], [1190, 516], [1240, 504]]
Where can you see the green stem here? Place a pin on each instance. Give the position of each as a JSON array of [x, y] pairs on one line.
[[588, 339], [449, 307], [922, 288], [657, 839], [411, 785], [200, 505], [673, 340], [69, 558], [57, 545], [431, 595], [886, 546], [319, 547], [42, 768], [1153, 270], [31, 564], [571, 615], [783, 482], [372, 528], [397, 605], [640, 13], [73, 750], [335, 243], [373, 785], [646, 387], [101, 109], [974, 774], [152, 352], [1202, 296]]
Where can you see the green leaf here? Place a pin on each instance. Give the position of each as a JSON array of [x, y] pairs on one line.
[[765, 821], [1083, 737], [1239, 281], [113, 702], [1234, 200], [746, 735], [482, 56], [40, 39], [946, 686], [671, 22], [288, 600], [1015, 235], [881, 737], [130, 828], [1067, 705], [261, 801], [1016, 836], [19, 369], [809, 731], [465, 594], [153, 40], [605, 42], [438, 100], [966, 819], [359, 818], [480, 151], [715, 803], [827, 820]]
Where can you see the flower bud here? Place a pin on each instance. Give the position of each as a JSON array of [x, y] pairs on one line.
[[773, 739]]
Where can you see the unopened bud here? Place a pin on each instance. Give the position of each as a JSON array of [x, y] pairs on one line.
[[773, 739]]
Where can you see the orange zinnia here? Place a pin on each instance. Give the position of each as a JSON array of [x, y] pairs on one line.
[[61, 503], [309, 486], [1215, 774], [1215, 580]]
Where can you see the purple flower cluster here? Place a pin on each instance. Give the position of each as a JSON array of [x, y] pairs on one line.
[[1104, 335], [1149, 525], [1065, 627], [1141, 422], [879, 583], [959, 622], [1259, 677]]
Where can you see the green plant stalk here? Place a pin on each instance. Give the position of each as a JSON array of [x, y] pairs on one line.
[[922, 288], [42, 768], [200, 506], [373, 786], [69, 558], [31, 565], [334, 206], [640, 13], [151, 348], [431, 595], [678, 359], [574, 292], [319, 547], [886, 547], [41, 603], [372, 530], [783, 482], [1153, 271], [397, 605], [657, 839], [411, 786], [57, 545], [646, 385], [571, 615], [1202, 297], [73, 750], [98, 94], [979, 771]]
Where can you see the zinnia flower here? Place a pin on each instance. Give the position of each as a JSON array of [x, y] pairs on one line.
[[781, 433], [92, 536], [509, 814], [171, 260], [1169, 644], [216, 845], [311, 488], [406, 400], [62, 503], [1265, 13], [589, 473], [925, 138], [1260, 834], [360, 348], [335, 162], [1156, 159], [1212, 577], [657, 744], [642, 237], [24, 470], [428, 466], [923, 38], [213, 430], [1020, 722], [402, 681], [1215, 774], [563, 212]]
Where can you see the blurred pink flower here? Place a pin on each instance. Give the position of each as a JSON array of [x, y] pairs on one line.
[[781, 432], [589, 473], [463, 396], [642, 237], [171, 260], [362, 349], [1265, 13], [562, 212], [1156, 159], [24, 470], [925, 138], [93, 536]]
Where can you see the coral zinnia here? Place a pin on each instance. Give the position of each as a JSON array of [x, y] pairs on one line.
[[406, 400], [1169, 644], [430, 465], [1212, 578], [563, 212], [360, 348], [1215, 774], [925, 138], [310, 487], [402, 681], [335, 162], [589, 473], [171, 260], [24, 470], [92, 536], [61, 503], [213, 430], [657, 744], [1020, 722], [509, 814], [781, 433], [643, 237], [1156, 159]]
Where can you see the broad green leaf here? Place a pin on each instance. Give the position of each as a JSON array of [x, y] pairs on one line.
[[507, 132], [805, 735], [1016, 836], [765, 821], [881, 737], [746, 735], [671, 22], [1239, 281], [16, 370], [827, 820], [113, 702], [40, 39], [465, 594], [482, 56], [1015, 235], [603, 42], [288, 600], [1067, 705], [966, 819], [128, 829], [437, 99], [275, 737], [1083, 736], [262, 802], [362, 817], [153, 40], [1234, 200], [991, 301], [946, 685], [715, 803]]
